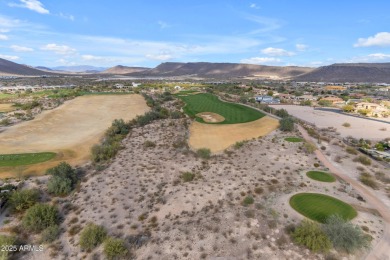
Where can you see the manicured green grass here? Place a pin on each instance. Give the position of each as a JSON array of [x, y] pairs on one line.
[[319, 207], [24, 158], [205, 102], [321, 176], [293, 139]]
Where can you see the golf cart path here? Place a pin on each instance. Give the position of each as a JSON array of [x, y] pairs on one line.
[[382, 249]]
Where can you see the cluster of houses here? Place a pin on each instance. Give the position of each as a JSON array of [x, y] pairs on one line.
[[15, 89]]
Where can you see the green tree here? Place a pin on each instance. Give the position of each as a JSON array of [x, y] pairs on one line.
[[23, 199], [39, 217], [63, 179], [282, 113], [344, 235], [115, 248], [270, 93], [348, 108], [310, 234], [92, 236], [286, 124]]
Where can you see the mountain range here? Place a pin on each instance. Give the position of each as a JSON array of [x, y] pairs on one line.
[[343, 72]]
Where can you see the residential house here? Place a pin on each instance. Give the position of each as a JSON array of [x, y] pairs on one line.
[[372, 109]]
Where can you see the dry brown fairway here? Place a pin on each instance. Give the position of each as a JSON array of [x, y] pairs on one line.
[[6, 108], [69, 130], [219, 137]]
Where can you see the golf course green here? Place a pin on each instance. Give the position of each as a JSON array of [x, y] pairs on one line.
[[321, 176], [319, 207], [205, 102], [7, 160]]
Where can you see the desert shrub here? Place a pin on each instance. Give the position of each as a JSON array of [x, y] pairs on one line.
[[325, 103], [310, 234], [176, 114], [23, 199], [282, 113], [39, 217], [204, 153], [149, 144], [104, 152], [5, 121], [92, 236], [344, 235], [382, 177], [50, 234], [351, 150], [248, 201], [363, 160], [238, 145], [286, 124], [346, 124], [6, 241], [115, 248], [187, 176], [259, 190], [118, 127], [309, 147], [368, 180], [63, 179]]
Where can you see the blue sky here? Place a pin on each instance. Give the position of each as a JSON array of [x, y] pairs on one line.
[[146, 33]]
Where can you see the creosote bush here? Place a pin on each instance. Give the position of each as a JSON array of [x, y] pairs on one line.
[[115, 248], [204, 153], [286, 124], [21, 200], [39, 217], [92, 236], [310, 234], [63, 179]]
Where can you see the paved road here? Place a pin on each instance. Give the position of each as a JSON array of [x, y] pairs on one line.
[[381, 251]]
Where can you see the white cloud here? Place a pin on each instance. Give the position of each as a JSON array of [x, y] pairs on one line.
[[254, 6], [67, 16], [276, 52], [379, 39], [374, 57], [301, 47], [261, 60], [267, 24], [18, 48], [163, 24], [160, 57], [9, 57], [379, 56], [3, 37], [59, 49], [33, 5]]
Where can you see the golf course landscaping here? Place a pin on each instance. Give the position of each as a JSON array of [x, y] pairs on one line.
[[321, 176], [205, 102], [319, 207], [7, 160], [293, 139]]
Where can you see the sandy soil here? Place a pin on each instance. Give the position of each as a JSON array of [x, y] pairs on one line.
[[211, 117], [6, 108], [70, 130], [219, 137], [360, 127]]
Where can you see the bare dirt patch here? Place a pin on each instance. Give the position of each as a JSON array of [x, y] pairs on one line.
[[211, 117], [6, 108], [69, 130], [219, 137]]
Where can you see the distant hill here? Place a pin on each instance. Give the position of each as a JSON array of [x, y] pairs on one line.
[[349, 72], [11, 68], [80, 68], [223, 70], [124, 70], [43, 68]]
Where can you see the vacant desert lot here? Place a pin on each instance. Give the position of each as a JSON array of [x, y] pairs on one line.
[[360, 127], [219, 137], [69, 130]]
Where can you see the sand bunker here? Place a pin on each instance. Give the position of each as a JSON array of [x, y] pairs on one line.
[[69, 130], [211, 117], [219, 137], [6, 108]]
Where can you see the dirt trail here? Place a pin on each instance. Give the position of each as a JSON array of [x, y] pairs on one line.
[[382, 249]]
